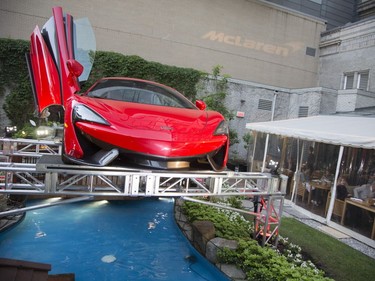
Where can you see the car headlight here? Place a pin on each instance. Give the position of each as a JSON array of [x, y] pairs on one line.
[[222, 129], [83, 113], [45, 132]]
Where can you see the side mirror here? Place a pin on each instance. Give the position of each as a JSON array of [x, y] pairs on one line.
[[200, 104], [74, 67]]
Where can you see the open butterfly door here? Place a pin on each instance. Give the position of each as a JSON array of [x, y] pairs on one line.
[[61, 56]]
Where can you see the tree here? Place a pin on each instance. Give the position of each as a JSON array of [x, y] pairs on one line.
[[215, 98]]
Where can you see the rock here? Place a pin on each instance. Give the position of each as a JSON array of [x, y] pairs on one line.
[[203, 231], [232, 271], [218, 243]]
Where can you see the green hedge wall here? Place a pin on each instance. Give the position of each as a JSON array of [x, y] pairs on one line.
[[14, 76], [19, 104], [109, 64]]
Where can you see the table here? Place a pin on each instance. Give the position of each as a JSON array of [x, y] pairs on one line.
[[362, 205], [318, 184]]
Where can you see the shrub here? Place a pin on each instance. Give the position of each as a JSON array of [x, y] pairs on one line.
[[259, 263]]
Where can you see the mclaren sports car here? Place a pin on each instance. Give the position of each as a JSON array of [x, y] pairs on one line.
[[118, 120]]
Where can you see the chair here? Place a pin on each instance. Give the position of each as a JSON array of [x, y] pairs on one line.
[[300, 190], [338, 207]]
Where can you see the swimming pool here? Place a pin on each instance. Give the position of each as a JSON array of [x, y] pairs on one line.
[[108, 240]]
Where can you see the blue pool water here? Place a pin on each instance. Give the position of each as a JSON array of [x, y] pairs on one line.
[[115, 240]]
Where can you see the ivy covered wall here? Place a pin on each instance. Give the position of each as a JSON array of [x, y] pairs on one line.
[[15, 89], [17, 105], [14, 78]]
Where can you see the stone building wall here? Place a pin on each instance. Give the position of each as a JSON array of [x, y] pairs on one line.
[[253, 40], [246, 101], [349, 49]]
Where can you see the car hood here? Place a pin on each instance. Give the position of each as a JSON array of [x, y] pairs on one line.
[[137, 116]]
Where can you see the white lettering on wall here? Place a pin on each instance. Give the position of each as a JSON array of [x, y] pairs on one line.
[[279, 50]]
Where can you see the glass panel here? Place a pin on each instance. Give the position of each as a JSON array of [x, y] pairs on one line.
[[363, 81], [349, 80], [49, 34], [85, 46]]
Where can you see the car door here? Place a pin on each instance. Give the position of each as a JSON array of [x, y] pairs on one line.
[[61, 56]]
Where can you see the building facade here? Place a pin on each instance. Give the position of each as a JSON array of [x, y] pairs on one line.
[[334, 12], [346, 84], [253, 40]]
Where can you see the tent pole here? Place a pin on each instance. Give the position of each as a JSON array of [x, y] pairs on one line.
[[296, 174], [298, 170], [333, 190], [283, 153]]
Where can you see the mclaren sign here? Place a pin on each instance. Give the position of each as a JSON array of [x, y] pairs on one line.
[[273, 49]]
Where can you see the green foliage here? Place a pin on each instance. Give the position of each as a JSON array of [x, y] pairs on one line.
[[215, 99], [259, 263], [19, 105], [228, 224], [26, 132], [267, 264], [110, 64], [247, 138], [233, 136], [235, 201], [14, 76]]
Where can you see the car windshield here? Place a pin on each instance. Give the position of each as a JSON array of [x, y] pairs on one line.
[[139, 92]]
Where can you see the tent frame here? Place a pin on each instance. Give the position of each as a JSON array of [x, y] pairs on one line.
[[368, 143]]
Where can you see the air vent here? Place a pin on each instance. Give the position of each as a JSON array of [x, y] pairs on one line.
[[303, 111], [265, 104], [310, 51]]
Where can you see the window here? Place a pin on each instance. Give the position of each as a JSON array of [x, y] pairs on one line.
[[356, 80], [348, 81], [303, 111], [362, 81]]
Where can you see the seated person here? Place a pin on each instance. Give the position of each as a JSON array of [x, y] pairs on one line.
[[327, 177], [365, 191], [304, 174], [341, 190], [317, 196]]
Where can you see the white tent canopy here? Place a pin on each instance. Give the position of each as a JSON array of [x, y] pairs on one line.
[[345, 131], [339, 130]]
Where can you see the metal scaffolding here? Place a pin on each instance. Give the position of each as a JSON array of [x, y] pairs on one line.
[[39, 170]]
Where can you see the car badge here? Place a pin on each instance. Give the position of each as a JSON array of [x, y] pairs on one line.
[[166, 128]]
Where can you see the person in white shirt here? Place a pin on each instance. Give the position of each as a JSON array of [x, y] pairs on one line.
[[365, 191]]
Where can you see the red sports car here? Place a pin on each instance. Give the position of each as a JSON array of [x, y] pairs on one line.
[[119, 120]]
